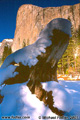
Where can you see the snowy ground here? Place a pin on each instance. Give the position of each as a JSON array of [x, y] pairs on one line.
[[73, 87], [34, 108]]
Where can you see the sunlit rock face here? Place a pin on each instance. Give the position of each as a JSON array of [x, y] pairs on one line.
[[32, 19]]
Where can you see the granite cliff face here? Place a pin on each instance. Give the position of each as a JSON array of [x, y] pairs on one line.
[[32, 19], [5, 42]]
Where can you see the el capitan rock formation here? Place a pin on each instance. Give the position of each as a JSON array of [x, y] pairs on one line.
[[32, 19]]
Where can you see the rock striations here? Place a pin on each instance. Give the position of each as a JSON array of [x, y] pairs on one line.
[[32, 19]]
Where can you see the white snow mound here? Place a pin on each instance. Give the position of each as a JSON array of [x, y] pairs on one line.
[[62, 99], [18, 100]]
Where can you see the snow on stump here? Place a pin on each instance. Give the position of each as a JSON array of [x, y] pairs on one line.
[[32, 65]]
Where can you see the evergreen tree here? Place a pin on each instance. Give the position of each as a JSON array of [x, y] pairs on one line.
[[24, 43], [67, 60], [7, 51]]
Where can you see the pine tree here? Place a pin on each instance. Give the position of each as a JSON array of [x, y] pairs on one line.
[[67, 59], [7, 51], [24, 43]]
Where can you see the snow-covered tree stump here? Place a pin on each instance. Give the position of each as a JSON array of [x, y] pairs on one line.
[[36, 64]]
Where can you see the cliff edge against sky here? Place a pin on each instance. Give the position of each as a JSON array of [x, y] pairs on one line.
[[32, 19]]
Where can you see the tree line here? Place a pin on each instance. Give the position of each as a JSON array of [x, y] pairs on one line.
[[70, 61]]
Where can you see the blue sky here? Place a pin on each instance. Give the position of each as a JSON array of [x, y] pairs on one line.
[[9, 8]]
